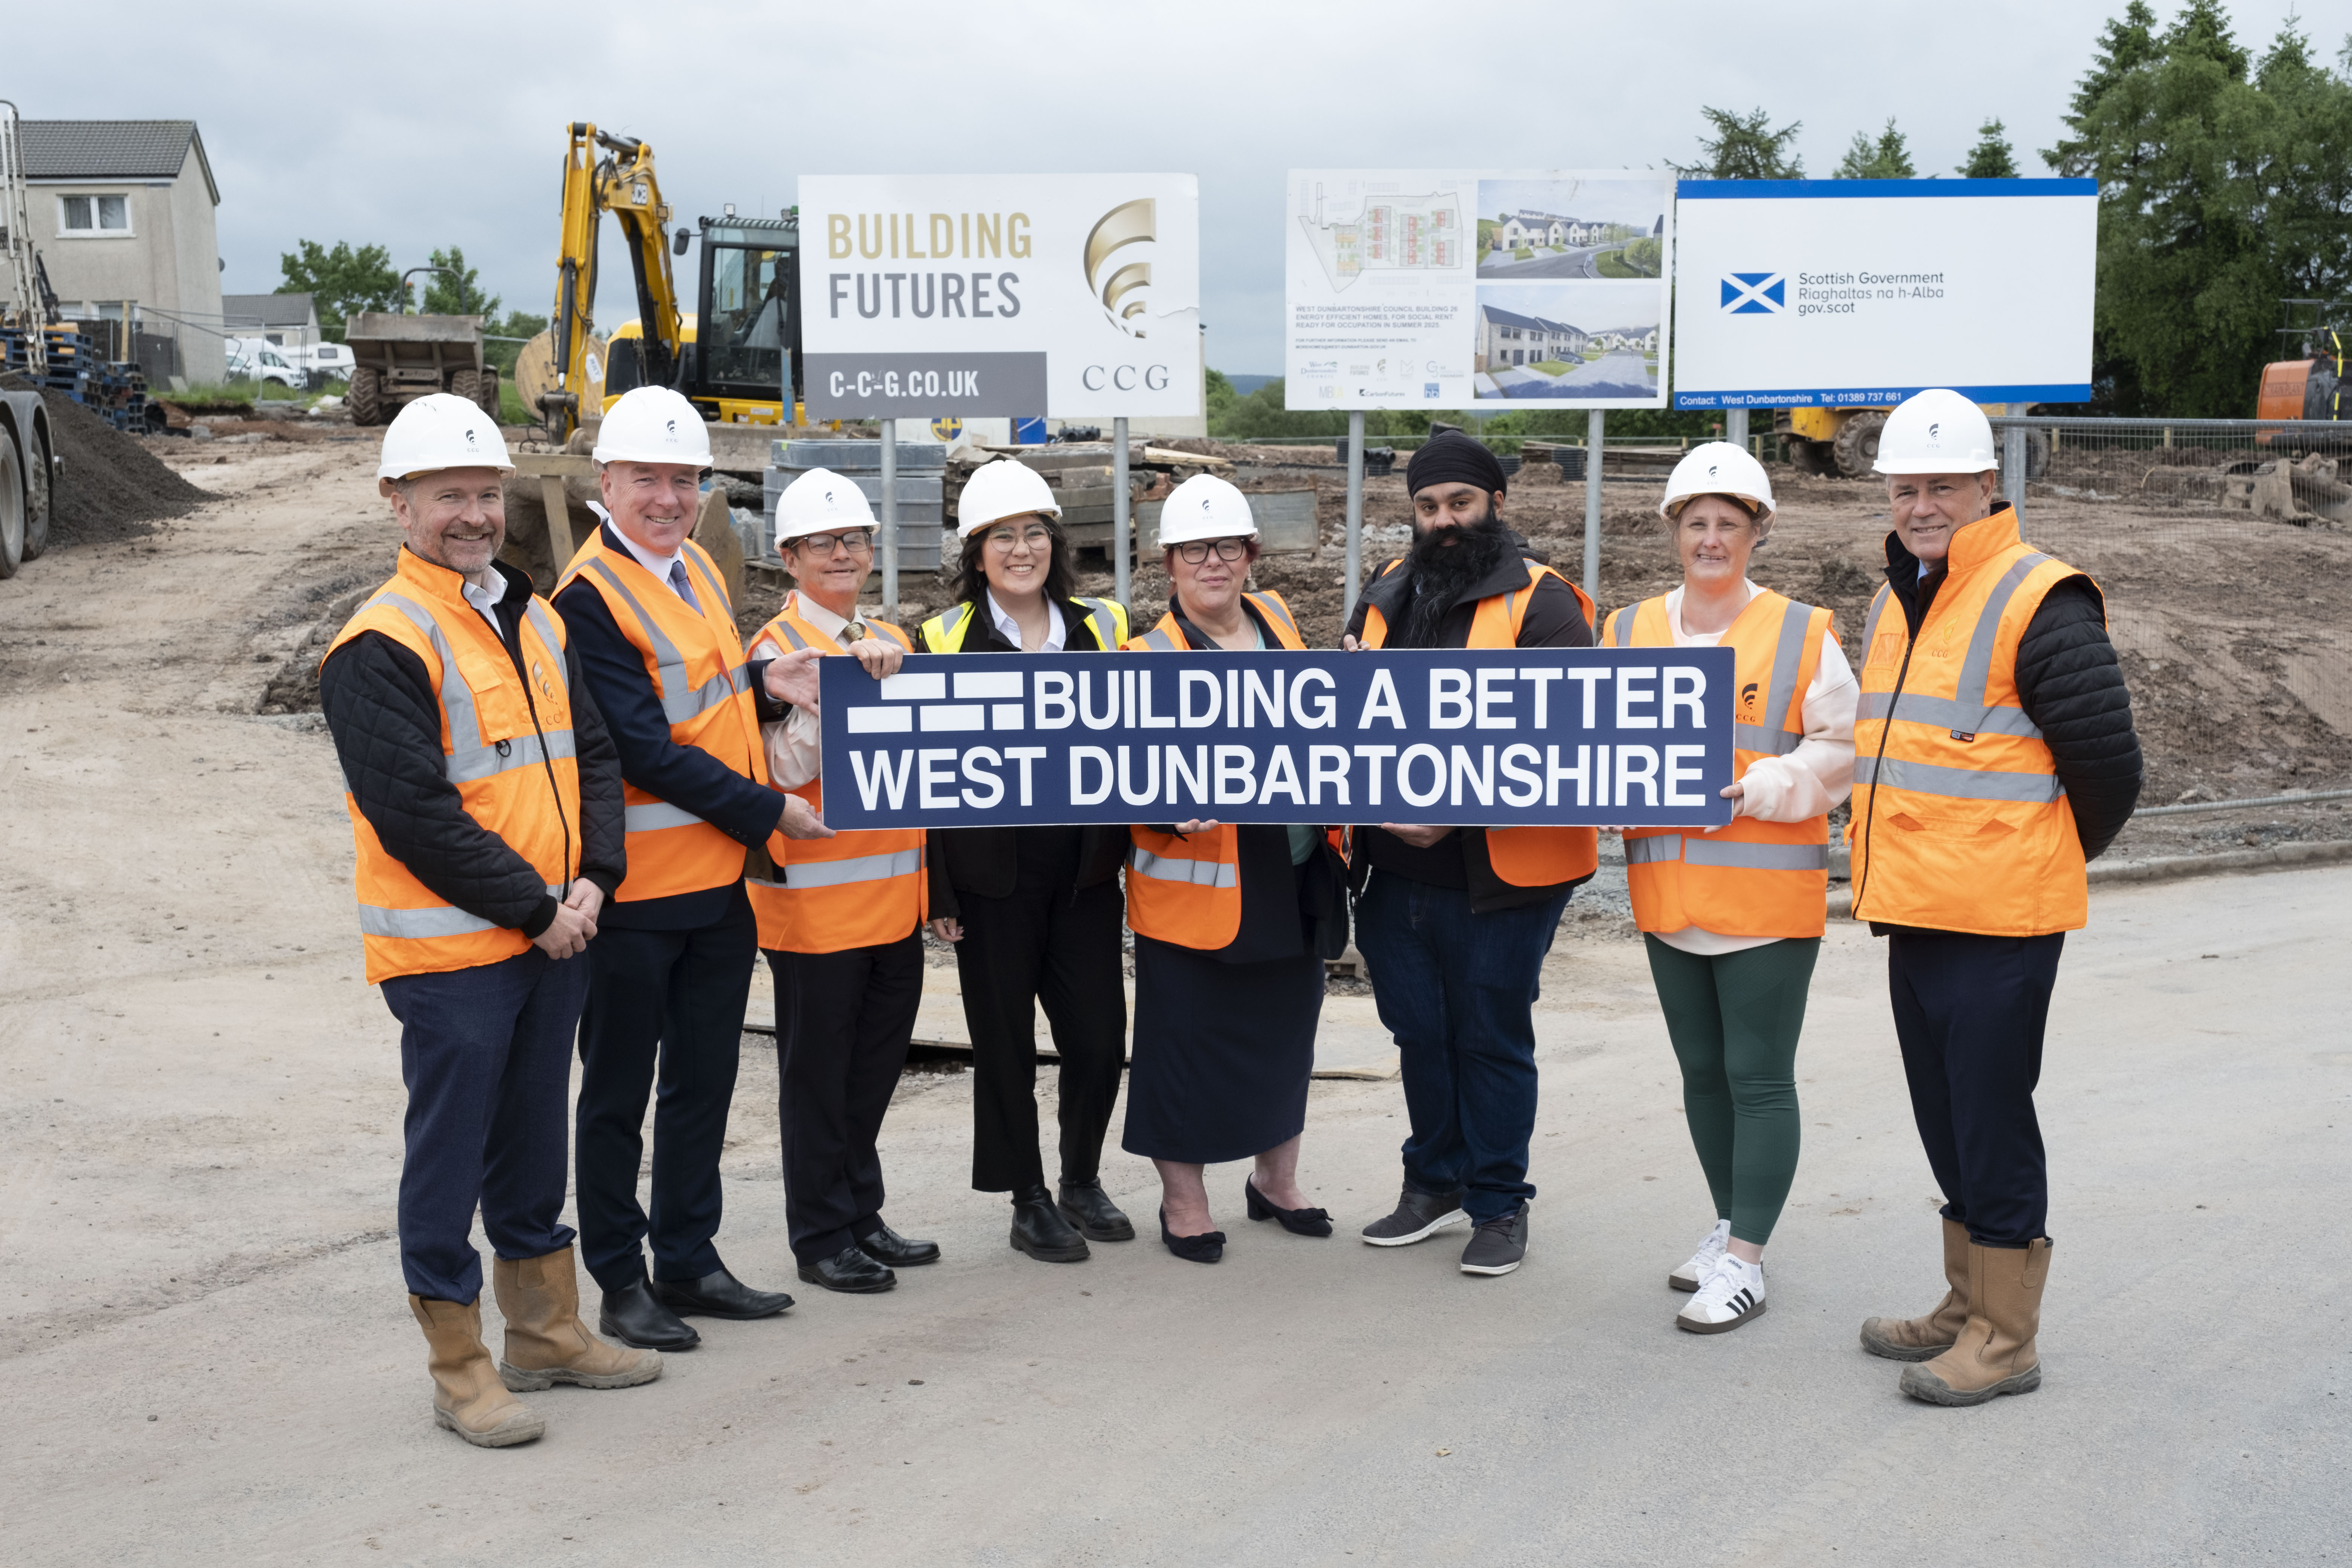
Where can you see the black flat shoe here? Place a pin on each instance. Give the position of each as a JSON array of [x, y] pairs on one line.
[[636, 1316], [1039, 1229], [850, 1271], [1205, 1248], [887, 1247], [719, 1294], [1085, 1206], [1298, 1221]]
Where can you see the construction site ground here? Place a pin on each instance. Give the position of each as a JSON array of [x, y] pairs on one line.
[[210, 1358]]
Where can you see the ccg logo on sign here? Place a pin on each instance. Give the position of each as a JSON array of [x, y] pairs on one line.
[[1131, 223], [1755, 293]]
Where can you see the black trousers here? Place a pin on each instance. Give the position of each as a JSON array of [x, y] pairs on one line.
[[1053, 944], [664, 1017], [1970, 1012], [842, 1020]]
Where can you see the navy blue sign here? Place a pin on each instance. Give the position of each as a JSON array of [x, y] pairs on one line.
[[1509, 738]]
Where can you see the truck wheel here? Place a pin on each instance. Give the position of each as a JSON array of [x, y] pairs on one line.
[[12, 507], [487, 400], [468, 384], [365, 398], [40, 488], [1856, 447], [1806, 456]]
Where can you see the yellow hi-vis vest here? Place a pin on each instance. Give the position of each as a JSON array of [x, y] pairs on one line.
[[1959, 822], [948, 631], [1752, 877], [695, 661], [853, 890], [507, 746]]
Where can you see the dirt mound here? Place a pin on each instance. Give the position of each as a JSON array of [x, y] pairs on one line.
[[111, 486]]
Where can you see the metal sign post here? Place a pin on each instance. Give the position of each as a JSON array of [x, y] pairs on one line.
[[890, 520], [1119, 506], [1355, 512], [1595, 427], [1734, 427]]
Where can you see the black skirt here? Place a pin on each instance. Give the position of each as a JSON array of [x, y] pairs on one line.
[[1222, 1053]]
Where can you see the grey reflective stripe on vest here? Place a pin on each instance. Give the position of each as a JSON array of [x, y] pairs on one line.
[[679, 702], [953, 628], [423, 925], [709, 578], [1161, 642], [469, 760], [792, 639], [543, 623], [1104, 622], [654, 816], [1623, 636], [1870, 627], [1773, 737], [801, 875], [1169, 869], [1271, 605], [1968, 713], [1957, 783], [1737, 854]]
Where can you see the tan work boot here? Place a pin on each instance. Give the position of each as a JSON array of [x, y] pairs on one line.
[[1919, 1339], [546, 1341], [1995, 1352], [468, 1397]]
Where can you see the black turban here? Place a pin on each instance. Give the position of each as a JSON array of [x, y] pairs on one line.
[[1453, 459]]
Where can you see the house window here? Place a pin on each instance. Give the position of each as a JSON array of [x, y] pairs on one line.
[[96, 214]]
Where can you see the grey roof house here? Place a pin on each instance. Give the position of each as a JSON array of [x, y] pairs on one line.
[[122, 211], [286, 320]]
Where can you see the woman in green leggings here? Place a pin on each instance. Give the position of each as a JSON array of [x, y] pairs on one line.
[[1733, 916]]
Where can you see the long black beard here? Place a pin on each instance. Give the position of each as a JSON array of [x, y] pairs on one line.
[[1442, 573]]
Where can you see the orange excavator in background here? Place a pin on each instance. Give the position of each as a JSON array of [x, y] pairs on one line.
[[2310, 387]]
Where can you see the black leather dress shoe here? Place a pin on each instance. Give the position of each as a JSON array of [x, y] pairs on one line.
[[634, 1315], [887, 1246], [849, 1271], [1039, 1229], [1298, 1221], [1087, 1206], [719, 1294]]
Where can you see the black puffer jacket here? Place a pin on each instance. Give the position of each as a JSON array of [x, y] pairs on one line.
[[2070, 686], [386, 722]]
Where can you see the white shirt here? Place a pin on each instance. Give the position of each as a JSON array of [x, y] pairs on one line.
[[1056, 633], [1806, 783], [659, 565], [486, 600], [796, 750]]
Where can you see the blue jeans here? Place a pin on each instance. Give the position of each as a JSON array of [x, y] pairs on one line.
[[486, 1054], [1458, 991]]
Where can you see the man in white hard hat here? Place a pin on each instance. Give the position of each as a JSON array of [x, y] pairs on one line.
[[670, 969], [1455, 923], [484, 800], [840, 922], [1994, 756]]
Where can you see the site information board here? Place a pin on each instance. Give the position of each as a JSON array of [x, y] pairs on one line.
[[978, 295], [1509, 738], [1445, 287], [1797, 293]]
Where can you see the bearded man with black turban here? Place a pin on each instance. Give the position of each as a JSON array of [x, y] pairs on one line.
[[1454, 922]]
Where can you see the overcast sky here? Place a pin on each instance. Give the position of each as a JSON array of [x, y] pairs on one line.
[[430, 123]]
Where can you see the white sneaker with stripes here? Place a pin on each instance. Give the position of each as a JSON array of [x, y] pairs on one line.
[[1689, 1275], [1732, 1292]]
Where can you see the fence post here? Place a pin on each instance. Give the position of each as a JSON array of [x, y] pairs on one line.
[[2012, 463], [890, 520], [1119, 506], [1734, 427], [1595, 435], [1355, 511]]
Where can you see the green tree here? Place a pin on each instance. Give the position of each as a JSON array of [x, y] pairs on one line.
[[1221, 395], [456, 291], [341, 280], [1991, 158], [1745, 147], [2129, 43], [1889, 158], [516, 324]]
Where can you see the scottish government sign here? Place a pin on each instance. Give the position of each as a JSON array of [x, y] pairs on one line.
[[1516, 737], [1440, 288], [1802, 293], [975, 295]]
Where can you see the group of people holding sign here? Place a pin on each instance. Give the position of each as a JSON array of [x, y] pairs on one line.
[[614, 777]]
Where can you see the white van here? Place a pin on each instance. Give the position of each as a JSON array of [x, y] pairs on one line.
[[325, 361], [259, 359]]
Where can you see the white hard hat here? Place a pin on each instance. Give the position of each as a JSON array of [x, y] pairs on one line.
[[819, 500], [1205, 506], [442, 430], [1718, 468], [1936, 432], [1001, 490], [653, 425]]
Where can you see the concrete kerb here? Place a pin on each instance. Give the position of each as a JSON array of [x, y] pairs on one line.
[[2172, 868]]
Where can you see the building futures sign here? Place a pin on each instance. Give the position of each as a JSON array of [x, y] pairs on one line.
[[1514, 737], [1803, 292], [1438, 288], [981, 295]]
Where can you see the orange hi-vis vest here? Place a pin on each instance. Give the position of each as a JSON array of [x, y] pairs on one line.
[[853, 890], [1188, 890], [1752, 877], [509, 748], [1523, 856], [696, 664], [1959, 822]]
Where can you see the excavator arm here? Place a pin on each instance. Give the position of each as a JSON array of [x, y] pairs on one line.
[[622, 182]]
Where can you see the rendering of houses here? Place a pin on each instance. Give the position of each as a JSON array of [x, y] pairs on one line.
[[1506, 338], [1530, 229]]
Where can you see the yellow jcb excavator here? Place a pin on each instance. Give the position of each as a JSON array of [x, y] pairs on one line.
[[738, 358]]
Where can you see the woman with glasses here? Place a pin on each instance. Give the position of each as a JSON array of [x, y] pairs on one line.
[[840, 916], [1033, 913], [1231, 928]]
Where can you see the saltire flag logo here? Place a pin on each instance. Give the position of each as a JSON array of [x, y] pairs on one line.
[[1754, 293]]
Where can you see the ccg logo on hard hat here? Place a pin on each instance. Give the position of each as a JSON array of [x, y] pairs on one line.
[[1755, 293]]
